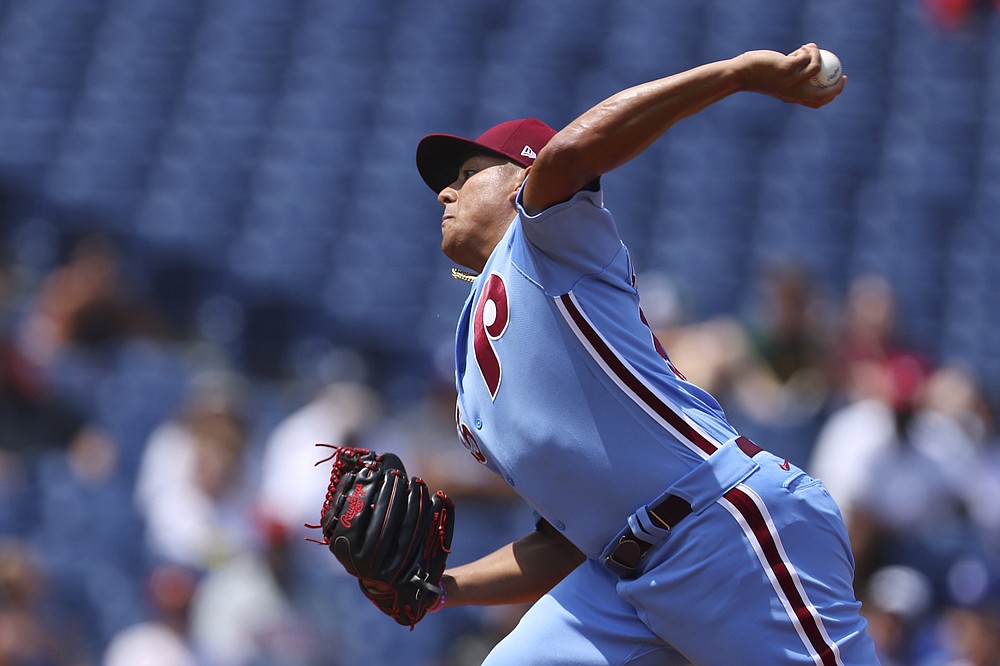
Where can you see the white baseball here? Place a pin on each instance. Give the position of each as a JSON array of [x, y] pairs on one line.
[[830, 70]]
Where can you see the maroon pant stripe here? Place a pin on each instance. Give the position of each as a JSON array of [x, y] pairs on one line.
[[779, 567]]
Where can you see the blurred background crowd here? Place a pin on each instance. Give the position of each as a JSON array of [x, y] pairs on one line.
[[215, 252]]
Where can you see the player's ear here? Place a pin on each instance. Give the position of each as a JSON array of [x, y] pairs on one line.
[[520, 182]]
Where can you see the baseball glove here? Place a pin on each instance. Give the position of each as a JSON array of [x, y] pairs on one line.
[[387, 530]]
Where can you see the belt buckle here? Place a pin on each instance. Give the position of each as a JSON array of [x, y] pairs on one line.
[[624, 559]]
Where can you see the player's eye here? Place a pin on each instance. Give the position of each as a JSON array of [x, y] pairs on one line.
[[466, 174]]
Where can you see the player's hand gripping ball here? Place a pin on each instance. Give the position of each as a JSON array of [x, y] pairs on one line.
[[388, 531], [830, 70]]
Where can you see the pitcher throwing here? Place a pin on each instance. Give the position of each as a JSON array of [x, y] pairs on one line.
[[663, 536]]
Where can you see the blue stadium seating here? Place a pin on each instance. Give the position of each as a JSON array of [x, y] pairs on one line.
[[273, 140]]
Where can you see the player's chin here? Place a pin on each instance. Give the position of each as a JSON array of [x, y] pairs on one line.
[[459, 255], [446, 246], [452, 250]]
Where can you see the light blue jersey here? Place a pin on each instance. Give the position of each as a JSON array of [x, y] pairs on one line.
[[564, 392], [558, 392]]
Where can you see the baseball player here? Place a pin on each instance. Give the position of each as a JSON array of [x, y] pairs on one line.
[[663, 536]]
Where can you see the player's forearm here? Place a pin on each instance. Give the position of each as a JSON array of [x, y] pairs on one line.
[[520, 572], [622, 126]]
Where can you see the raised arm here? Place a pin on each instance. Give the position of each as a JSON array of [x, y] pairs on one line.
[[622, 126]]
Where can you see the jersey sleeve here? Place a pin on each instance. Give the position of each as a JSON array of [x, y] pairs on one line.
[[566, 242]]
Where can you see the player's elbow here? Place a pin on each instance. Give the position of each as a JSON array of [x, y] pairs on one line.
[[571, 152], [565, 166]]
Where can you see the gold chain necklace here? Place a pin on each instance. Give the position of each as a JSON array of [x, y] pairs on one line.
[[464, 276]]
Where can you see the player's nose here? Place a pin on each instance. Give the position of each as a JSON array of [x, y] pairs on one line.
[[448, 195]]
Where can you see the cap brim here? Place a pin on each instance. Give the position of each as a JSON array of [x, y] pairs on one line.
[[439, 157]]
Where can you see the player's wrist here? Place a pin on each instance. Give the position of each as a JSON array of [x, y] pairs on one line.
[[740, 72], [447, 584]]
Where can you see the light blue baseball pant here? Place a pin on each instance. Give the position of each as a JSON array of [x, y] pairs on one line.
[[761, 573]]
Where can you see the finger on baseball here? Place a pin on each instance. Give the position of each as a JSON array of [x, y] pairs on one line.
[[798, 60], [803, 49], [812, 64], [827, 95], [837, 87]]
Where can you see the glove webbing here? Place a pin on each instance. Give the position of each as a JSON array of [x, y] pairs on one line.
[[336, 471]]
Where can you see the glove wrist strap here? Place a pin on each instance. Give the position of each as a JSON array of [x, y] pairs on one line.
[[439, 604]]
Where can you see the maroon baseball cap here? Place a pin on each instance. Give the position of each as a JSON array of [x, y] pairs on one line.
[[439, 156]]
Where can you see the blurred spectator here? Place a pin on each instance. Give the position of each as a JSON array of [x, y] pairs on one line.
[[907, 461], [972, 636], [781, 389], [194, 486], [711, 353], [954, 422], [788, 332], [875, 382], [244, 614], [292, 486], [969, 626], [960, 424], [897, 601], [87, 529], [981, 492], [28, 629], [85, 302], [866, 334], [770, 368], [163, 639], [854, 443], [32, 417], [33, 420], [857, 432]]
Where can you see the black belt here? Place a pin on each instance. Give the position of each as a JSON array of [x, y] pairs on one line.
[[624, 559]]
